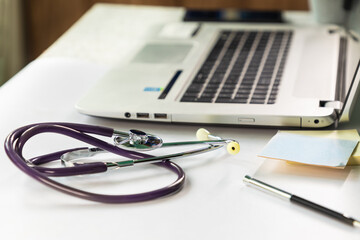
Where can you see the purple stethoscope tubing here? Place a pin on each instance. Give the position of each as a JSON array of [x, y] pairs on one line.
[[15, 142]]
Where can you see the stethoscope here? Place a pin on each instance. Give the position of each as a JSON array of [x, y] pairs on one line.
[[129, 145]]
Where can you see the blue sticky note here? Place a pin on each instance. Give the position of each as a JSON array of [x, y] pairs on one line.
[[305, 149]]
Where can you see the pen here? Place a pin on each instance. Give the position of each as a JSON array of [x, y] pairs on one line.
[[303, 202]]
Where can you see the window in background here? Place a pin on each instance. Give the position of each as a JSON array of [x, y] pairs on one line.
[[11, 39]]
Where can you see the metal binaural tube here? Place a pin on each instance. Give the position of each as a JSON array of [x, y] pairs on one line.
[[69, 158], [177, 155]]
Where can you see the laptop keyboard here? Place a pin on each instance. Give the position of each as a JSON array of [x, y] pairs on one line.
[[243, 67]]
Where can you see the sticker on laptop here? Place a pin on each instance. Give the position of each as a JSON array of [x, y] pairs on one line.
[[153, 89]]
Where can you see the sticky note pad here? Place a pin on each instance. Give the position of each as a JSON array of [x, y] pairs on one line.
[[309, 149], [350, 134]]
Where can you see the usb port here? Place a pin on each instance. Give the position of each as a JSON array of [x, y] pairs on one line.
[[160, 116], [142, 115]]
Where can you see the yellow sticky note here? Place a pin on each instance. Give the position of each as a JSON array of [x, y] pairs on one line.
[[351, 134]]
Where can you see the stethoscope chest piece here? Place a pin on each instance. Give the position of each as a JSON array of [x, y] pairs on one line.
[[138, 140]]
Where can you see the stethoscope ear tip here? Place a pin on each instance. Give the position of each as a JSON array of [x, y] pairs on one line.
[[202, 134], [233, 147]]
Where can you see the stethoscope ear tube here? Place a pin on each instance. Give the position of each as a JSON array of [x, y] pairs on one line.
[[15, 142], [77, 169]]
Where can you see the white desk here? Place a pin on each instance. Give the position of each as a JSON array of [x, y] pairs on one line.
[[214, 204]]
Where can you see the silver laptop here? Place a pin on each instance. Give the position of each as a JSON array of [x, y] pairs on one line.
[[239, 74]]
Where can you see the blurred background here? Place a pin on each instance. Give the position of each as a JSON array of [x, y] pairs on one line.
[[28, 27]]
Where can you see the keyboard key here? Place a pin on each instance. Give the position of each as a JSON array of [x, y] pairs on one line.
[[227, 100], [257, 101]]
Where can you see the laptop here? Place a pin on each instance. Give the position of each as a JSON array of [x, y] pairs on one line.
[[232, 73]]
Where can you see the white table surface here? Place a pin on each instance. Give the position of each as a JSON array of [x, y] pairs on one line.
[[214, 203]]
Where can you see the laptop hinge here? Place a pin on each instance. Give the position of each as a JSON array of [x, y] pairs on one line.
[[336, 105]]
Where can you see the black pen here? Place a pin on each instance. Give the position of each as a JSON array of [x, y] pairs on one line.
[[303, 202]]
